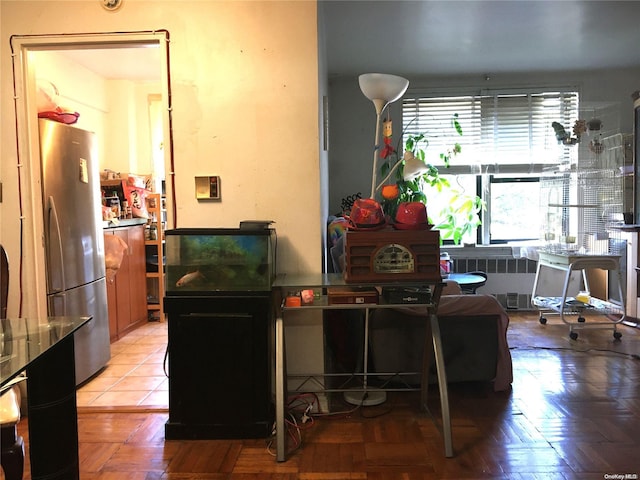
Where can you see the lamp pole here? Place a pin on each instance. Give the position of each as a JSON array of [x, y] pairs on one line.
[[380, 105]]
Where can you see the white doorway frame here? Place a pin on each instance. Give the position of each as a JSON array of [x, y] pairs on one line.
[[32, 248]]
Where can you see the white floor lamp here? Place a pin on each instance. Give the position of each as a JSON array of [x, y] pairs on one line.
[[382, 89]]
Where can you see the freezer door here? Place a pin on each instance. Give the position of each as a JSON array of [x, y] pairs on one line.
[[72, 206], [92, 347]]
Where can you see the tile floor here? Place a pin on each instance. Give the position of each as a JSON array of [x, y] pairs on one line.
[[135, 374]]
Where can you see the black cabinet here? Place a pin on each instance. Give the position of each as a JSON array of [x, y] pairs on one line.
[[219, 366]]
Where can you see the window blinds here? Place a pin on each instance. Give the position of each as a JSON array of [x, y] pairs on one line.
[[503, 131]]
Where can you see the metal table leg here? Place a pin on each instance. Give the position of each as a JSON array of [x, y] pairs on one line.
[[442, 385], [281, 444]]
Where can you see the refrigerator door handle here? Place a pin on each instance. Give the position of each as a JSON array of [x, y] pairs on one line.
[[52, 213]]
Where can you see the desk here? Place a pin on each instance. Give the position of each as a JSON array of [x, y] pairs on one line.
[[285, 283], [468, 282], [46, 352]]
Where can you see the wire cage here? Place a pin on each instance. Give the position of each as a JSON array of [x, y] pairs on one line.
[[582, 201], [582, 210]]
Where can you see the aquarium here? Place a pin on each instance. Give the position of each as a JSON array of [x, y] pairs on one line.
[[201, 261]]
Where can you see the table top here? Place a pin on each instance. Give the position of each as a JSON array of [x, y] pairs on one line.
[[466, 278], [23, 340]]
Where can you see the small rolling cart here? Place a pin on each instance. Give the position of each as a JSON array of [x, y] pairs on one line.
[[573, 309]]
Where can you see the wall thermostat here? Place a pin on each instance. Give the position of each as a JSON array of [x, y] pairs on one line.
[[208, 188]]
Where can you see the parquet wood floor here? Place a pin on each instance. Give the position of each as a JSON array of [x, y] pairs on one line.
[[573, 413]]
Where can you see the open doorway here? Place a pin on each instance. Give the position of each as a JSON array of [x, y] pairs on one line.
[[148, 48], [128, 107]]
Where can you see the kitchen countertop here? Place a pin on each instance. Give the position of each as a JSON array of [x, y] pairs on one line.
[[124, 222]]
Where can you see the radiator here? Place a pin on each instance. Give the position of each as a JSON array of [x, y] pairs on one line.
[[509, 279]]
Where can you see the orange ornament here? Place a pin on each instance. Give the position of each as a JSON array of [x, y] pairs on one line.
[[390, 192]]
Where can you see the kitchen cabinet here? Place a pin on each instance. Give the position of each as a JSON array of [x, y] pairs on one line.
[[126, 295]]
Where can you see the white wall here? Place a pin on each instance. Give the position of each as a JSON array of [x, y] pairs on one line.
[[352, 116], [245, 107], [80, 90], [127, 131], [245, 90]]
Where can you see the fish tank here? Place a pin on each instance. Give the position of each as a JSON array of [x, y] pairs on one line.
[[203, 261]]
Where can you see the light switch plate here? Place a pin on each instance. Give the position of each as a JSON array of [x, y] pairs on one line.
[[208, 188]]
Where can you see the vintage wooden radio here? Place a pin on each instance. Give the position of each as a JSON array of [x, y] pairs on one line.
[[392, 255]]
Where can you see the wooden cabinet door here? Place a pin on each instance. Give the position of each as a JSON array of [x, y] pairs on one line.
[[112, 309], [137, 276], [123, 291], [127, 295], [112, 303]]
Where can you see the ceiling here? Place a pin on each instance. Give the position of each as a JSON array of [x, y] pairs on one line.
[[446, 37], [437, 37]]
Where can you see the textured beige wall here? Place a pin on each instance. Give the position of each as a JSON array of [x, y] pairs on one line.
[[244, 79]]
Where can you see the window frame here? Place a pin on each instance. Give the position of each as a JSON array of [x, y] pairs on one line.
[[487, 182], [567, 105]]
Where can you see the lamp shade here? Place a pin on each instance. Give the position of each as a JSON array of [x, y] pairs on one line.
[[412, 167], [383, 86], [381, 89]]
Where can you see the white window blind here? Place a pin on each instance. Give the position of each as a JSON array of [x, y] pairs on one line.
[[503, 131]]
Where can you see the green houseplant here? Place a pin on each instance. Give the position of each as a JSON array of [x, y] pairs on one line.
[[459, 216]]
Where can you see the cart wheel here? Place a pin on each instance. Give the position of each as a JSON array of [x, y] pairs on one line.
[[543, 320], [617, 335], [581, 319], [573, 335]]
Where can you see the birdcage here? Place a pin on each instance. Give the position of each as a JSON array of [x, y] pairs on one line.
[[583, 209], [582, 201]]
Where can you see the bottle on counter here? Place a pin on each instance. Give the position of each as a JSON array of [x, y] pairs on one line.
[[126, 209]]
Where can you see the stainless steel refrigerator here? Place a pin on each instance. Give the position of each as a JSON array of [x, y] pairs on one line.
[[74, 242]]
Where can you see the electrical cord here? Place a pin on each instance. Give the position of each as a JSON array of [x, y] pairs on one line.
[[165, 361], [338, 415], [362, 410], [294, 431], [297, 419], [19, 165], [301, 417]]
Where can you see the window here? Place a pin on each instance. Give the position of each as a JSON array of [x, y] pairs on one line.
[[507, 142], [514, 213]]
